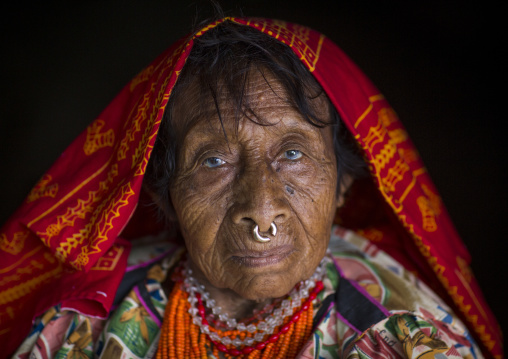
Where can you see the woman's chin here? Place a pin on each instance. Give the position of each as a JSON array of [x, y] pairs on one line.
[[266, 277], [266, 292], [266, 286]]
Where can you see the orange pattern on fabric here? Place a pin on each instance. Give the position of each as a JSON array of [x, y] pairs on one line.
[[143, 76], [43, 189], [79, 211], [109, 261], [384, 147], [135, 124], [49, 271], [430, 208], [99, 226], [143, 151], [296, 36], [15, 244], [95, 139], [32, 267]]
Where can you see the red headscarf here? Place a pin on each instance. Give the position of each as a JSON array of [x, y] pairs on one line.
[[65, 243]]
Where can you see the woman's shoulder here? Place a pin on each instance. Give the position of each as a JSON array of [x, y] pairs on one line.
[[132, 327], [385, 279], [414, 335], [417, 321]]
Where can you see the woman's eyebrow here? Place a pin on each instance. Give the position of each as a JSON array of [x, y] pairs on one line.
[[200, 138]]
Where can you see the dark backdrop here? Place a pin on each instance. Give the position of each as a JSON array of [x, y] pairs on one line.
[[436, 62]]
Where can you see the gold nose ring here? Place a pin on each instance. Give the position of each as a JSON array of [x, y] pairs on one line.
[[260, 238]]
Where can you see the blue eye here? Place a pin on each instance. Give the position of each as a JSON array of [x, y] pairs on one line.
[[213, 162], [292, 154]]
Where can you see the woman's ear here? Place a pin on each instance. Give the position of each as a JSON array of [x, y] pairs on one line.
[[344, 186]]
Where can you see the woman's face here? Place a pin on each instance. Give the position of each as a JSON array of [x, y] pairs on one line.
[[283, 173]]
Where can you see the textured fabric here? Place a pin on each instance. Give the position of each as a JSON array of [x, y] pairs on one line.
[[65, 235], [420, 325]]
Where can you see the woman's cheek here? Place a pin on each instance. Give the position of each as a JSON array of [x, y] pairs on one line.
[[299, 179], [311, 189], [195, 197]]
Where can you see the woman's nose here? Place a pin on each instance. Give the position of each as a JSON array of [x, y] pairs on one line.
[[259, 198]]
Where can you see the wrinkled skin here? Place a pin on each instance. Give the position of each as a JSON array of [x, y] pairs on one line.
[[283, 173]]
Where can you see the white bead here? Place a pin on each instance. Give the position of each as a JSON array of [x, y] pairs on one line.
[[237, 342], [215, 337], [251, 328], [210, 303], [193, 311], [262, 326], [196, 320], [216, 310], [226, 340], [241, 327], [205, 329], [271, 320], [223, 317], [231, 322], [249, 341], [285, 303], [259, 337]]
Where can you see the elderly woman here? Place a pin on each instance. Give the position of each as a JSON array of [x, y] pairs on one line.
[[250, 138]]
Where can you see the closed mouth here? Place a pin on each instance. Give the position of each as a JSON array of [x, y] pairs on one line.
[[269, 257]]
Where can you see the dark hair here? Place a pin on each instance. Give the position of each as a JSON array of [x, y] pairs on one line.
[[220, 62]]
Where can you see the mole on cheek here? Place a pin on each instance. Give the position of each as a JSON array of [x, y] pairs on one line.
[[290, 190]]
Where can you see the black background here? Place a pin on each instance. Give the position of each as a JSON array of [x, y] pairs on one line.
[[437, 62]]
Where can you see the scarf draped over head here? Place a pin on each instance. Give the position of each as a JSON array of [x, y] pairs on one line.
[[67, 243]]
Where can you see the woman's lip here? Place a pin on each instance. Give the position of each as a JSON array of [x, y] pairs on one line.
[[272, 256]]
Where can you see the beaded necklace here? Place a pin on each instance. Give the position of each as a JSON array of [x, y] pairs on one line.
[[187, 333]]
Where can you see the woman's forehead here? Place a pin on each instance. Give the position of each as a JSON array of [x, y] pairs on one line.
[[265, 101]]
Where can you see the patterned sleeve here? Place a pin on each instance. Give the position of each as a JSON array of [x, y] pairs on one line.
[[412, 335], [131, 331], [61, 334], [421, 325]]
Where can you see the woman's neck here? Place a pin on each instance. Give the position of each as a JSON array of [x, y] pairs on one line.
[[229, 301]]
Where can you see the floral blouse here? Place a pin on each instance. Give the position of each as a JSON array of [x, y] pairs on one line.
[[412, 321]]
